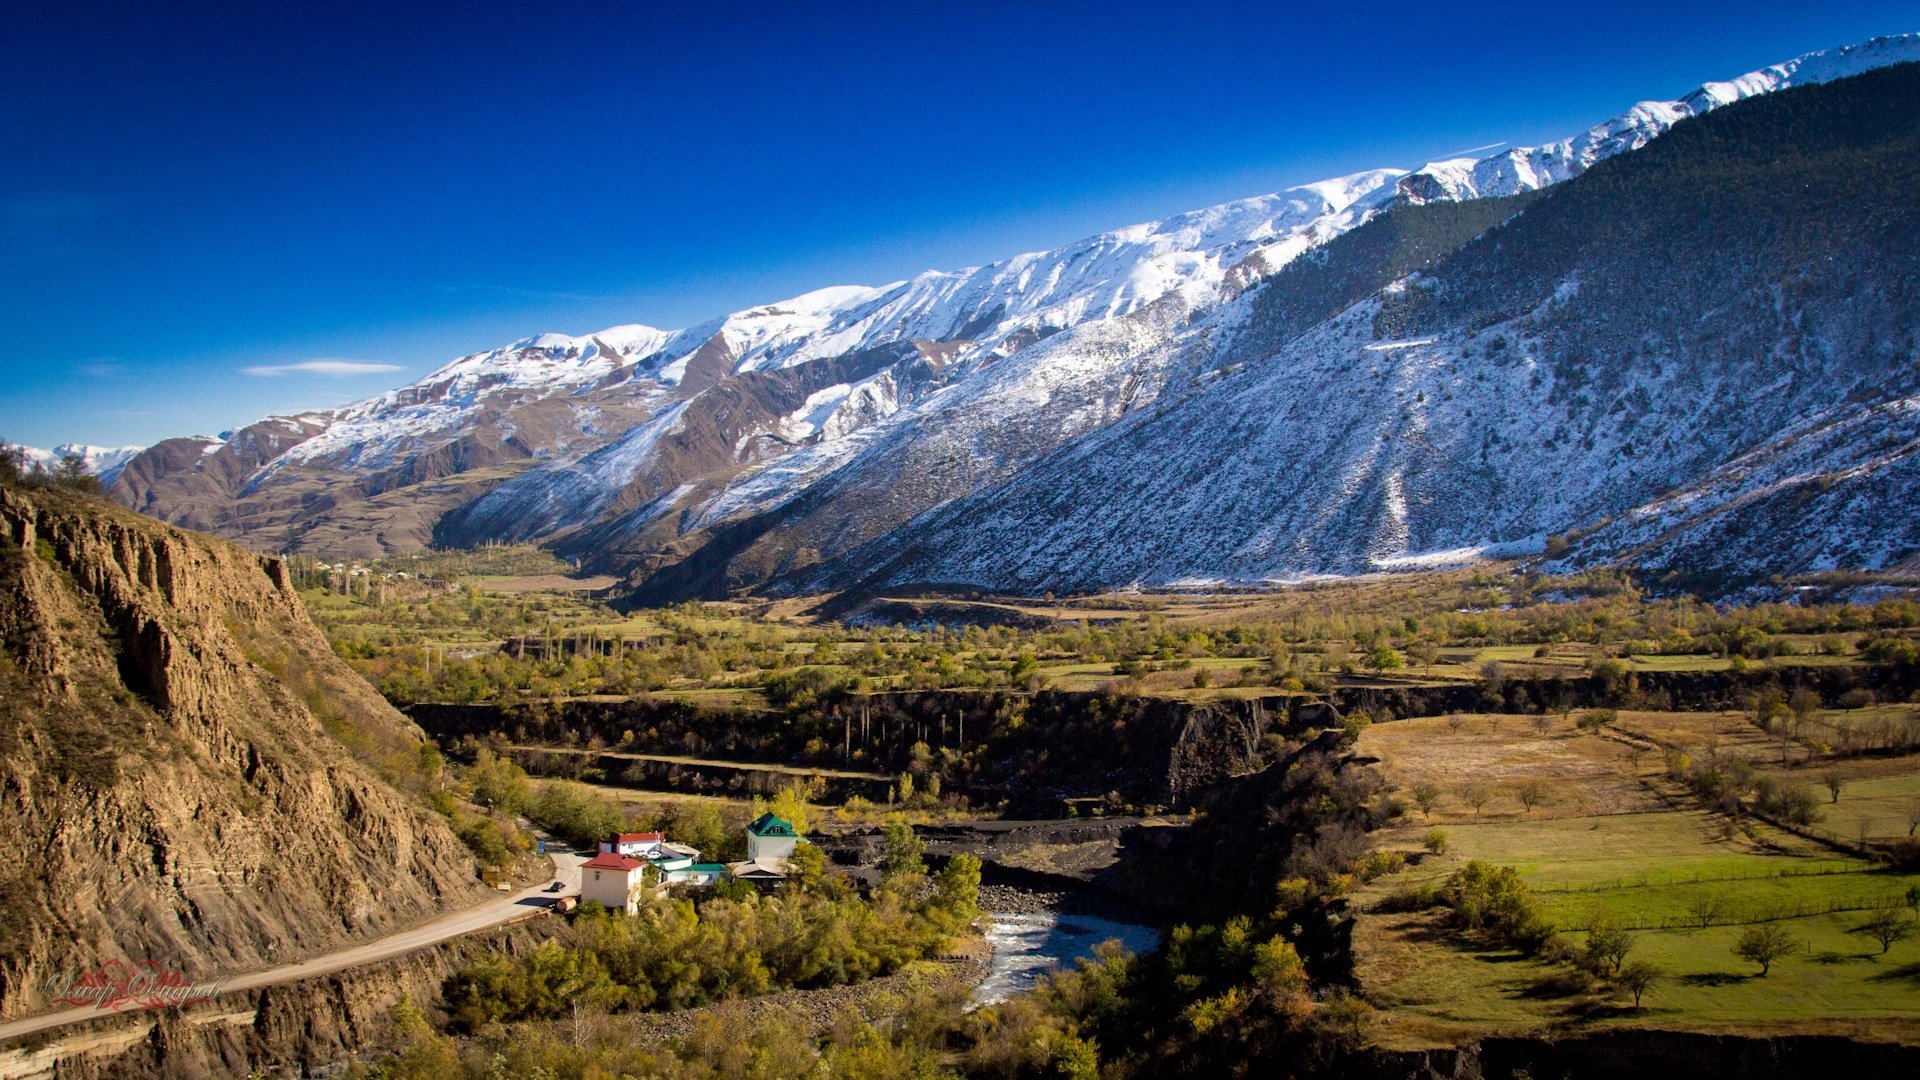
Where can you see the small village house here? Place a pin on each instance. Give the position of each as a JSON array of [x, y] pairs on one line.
[[770, 843], [616, 881], [630, 865]]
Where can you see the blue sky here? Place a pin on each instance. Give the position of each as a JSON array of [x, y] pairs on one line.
[[339, 197]]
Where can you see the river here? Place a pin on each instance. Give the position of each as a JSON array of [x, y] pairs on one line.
[[1028, 945]]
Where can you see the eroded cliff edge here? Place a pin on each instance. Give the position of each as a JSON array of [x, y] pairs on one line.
[[187, 772]]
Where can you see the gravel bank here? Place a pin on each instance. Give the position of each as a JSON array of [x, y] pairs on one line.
[[1019, 901]]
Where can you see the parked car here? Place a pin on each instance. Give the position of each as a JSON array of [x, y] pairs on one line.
[[556, 886]]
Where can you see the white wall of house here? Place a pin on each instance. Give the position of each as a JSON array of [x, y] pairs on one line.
[[616, 890], [769, 848]]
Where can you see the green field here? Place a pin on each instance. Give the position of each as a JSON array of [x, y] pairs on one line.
[[1684, 881], [1644, 872]]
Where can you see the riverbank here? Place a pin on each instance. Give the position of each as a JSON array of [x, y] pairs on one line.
[[953, 974]]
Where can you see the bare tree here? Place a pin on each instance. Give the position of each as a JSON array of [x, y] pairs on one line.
[[1705, 907], [1425, 652], [1637, 977], [1531, 794], [1803, 703], [1426, 797], [1454, 720], [1476, 796], [1834, 783], [1541, 722], [1886, 926]]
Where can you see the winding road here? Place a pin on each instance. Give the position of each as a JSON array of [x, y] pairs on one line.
[[484, 916]]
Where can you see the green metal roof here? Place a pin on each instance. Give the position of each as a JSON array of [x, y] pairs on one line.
[[768, 825], [708, 867]]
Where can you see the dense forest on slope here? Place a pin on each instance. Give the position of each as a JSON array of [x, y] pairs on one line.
[[1347, 269]]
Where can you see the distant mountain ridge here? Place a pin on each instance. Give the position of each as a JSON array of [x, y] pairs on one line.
[[775, 443], [104, 462]]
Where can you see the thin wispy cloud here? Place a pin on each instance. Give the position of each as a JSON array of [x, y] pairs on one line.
[[336, 369]]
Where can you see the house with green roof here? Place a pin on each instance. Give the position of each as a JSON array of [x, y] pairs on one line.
[[770, 838], [770, 843]]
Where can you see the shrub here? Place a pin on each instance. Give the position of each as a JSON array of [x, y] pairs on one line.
[[1613, 679], [1792, 803], [1294, 893], [1380, 863], [491, 842], [1592, 720], [1856, 698], [1493, 900], [1436, 841], [542, 985], [1406, 898]]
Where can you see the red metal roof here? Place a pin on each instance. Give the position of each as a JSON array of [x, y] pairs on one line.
[[639, 837], [607, 860]]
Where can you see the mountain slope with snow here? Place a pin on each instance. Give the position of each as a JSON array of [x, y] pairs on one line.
[[792, 441], [1629, 359]]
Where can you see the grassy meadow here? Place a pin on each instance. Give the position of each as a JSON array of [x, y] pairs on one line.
[[1611, 840]]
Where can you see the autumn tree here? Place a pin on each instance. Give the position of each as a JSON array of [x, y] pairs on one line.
[[906, 853]]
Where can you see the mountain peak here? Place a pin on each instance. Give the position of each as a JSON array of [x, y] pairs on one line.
[[1527, 168]]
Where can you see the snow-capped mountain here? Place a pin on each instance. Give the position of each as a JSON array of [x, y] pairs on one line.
[[821, 431], [1627, 366], [1517, 170], [104, 462]]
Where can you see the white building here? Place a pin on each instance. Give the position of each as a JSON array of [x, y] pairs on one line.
[[636, 845], [770, 843], [770, 840], [615, 880]]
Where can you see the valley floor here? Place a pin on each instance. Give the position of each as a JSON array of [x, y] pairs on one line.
[[1612, 840]]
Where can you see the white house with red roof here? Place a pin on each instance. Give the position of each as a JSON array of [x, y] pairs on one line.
[[617, 881], [638, 845]]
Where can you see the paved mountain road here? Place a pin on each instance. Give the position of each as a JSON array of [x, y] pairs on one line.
[[484, 916]]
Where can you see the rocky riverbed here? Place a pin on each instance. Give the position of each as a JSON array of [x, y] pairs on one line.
[[1013, 899]]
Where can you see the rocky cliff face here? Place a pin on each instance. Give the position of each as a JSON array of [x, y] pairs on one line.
[[187, 773]]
